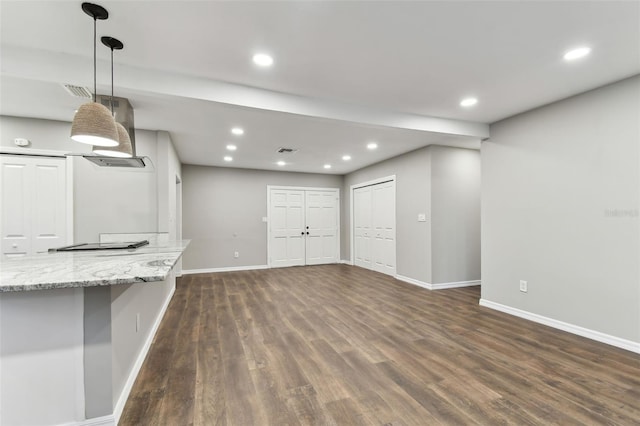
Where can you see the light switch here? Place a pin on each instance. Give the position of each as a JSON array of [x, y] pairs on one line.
[[422, 217]]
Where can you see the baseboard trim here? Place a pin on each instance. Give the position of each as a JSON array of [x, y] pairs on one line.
[[456, 284], [414, 281], [345, 262], [225, 269], [598, 336], [439, 286], [122, 400], [96, 421]]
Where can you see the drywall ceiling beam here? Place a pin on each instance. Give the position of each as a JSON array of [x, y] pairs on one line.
[[64, 68]]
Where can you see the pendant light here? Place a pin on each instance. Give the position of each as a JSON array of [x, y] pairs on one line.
[[93, 124], [124, 149]]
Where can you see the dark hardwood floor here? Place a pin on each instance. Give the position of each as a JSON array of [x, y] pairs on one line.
[[339, 345]]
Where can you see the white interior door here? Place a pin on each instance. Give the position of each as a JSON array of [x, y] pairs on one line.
[[362, 226], [321, 214], [303, 226], [374, 222], [286, 217], [33, 212], [383, 214]]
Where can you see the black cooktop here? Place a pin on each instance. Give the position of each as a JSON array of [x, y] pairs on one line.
[[102, 246]]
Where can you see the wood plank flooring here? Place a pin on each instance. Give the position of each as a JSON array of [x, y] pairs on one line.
[[339, 345]]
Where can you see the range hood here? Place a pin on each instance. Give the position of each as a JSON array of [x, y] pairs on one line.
[[104, 161], [123, 114]]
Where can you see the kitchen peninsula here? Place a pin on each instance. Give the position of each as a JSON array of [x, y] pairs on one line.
[[75, 328]]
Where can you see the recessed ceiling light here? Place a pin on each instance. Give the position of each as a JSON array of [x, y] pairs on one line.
[[228, 158], [327, 166], [577, 53], [281, 163], [468, 102], [346, 157], [372, 145], [231, 147], [237, 131], [262, 59]]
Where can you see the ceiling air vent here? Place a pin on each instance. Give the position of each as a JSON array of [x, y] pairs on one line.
[[286, 150], [78, 91]]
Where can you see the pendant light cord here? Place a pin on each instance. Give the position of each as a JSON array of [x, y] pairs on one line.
[[112, 81], [95, 95]]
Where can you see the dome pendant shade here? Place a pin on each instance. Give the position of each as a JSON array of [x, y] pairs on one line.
[[94, 125], [124, 150]]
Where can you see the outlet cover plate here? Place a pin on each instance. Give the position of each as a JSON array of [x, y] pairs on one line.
[[523, 286]]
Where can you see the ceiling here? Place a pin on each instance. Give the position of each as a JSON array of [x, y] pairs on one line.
[[345, 73]]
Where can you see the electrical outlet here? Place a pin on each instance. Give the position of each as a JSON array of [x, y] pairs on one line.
[[137, 322], [236, 254], [523, 286]]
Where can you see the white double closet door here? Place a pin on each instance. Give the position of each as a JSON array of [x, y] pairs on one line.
[[374, 217], [33, 209], [303, 226]]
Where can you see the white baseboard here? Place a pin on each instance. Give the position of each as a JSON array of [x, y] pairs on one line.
[[345, 262], [560, 325], [456, 284], [225, 269], [439, 286], [96, 421], [414, 281], [122, 400]]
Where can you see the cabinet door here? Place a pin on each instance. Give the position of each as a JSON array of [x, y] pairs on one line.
[[16, 181], [33, 211]]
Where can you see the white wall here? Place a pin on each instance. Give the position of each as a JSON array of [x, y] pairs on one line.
[[41, 343], [455, 215], [560, 196], [43, 134], [122, 200], [116, 200], [223, 210], [127, 301], [413, 238], [444, 184], [169, 168], [111, 200]]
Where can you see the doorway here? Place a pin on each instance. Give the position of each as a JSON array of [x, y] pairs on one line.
[[303, 226]]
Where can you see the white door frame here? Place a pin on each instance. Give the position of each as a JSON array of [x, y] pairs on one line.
[[352, 188], [178, 220], [68, 178], [300, 188]]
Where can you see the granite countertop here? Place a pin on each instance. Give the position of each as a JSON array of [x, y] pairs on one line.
[[90, 268]]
